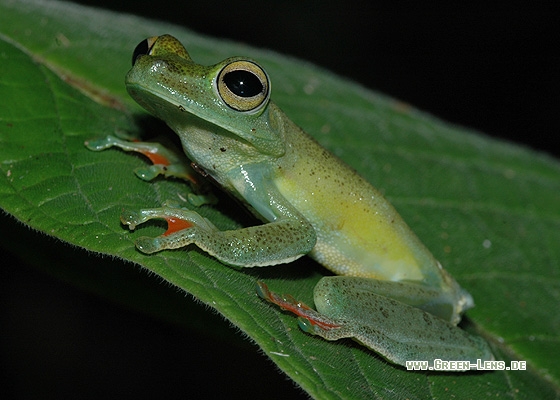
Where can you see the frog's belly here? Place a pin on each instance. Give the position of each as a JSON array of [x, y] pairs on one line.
[[345, 259], [375, 244], [359, 233]]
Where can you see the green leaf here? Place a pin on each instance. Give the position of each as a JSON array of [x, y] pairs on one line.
[[489, 211]]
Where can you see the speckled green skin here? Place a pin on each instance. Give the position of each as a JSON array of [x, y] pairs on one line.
[[383, 324], [311, 203]]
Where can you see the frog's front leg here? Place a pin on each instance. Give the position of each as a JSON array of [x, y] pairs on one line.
[[395, 330], [165, 162], [281, 241]]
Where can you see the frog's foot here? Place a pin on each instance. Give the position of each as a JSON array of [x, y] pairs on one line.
[[183, 227], [310, 321], [166, 162]]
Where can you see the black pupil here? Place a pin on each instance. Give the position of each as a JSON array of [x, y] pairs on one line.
[[140, 50], [243, 83]]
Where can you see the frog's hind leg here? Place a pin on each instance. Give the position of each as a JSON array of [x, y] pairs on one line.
[[289, 303], [395, 330], [375, 316], [447, 303]]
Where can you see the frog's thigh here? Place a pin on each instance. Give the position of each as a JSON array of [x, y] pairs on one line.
[[393, 329], [428, 299]]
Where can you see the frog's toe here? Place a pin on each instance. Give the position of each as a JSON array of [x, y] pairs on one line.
[[148, 245], [131, 218], [150, 173], [99, 144]]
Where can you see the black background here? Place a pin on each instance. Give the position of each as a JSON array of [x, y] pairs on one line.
[[493, 67], [490, 66]]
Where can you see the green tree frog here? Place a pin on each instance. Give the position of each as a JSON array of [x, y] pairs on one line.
[[390, 294]]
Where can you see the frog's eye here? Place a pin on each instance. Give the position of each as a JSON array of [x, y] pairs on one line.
[[243, 86], [143, 48]]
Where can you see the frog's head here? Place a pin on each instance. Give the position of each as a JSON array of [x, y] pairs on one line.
[[232, 95]]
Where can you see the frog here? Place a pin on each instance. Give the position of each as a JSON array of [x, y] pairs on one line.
[[387, 291]]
